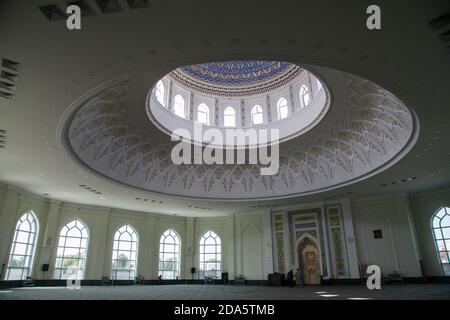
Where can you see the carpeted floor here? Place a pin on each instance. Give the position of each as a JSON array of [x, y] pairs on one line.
[[220, 292]]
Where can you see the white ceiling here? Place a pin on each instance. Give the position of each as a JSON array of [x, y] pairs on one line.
[[59, 66]]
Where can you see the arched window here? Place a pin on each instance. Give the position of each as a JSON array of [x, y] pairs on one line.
[[169, 255], [441, 230], [203, 114], [319, 85], [282, 108], [23, 246], [304, 95], [257, 115], [159, 92], [210, 255], [229, 117], [178, 106], [124, 258], [72, 251]]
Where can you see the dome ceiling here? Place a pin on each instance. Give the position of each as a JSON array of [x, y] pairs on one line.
[[366, 130], [236, 78]]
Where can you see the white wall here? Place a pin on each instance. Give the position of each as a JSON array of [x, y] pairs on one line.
[[397, 249], [102, 224], [246, 237]]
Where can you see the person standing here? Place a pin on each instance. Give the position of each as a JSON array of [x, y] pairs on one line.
[[290, 278]]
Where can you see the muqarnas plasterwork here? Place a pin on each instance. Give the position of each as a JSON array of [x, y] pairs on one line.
[[299, 234]]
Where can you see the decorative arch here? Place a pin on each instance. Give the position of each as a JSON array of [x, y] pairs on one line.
[[229, 117], [210, 264], [72, 249], [282, 108], [305, 96], [178, 106], [440, 225], [203, 113], [308, 259], [251, 252], [125, 253], [257, 115], [169, 255], [159, 92], [23, 247]]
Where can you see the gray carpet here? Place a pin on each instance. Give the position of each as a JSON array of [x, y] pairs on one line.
[[215, 292]]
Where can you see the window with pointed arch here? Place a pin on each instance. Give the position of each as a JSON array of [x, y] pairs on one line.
[[159, 92], [319, 85], [124, 257], [305, 96], [169, 255], [229, 117], [203, 114], [178, 106], [440, 222], [257, 115], [72, 251], [282, 107], [210, 255], [23, 247]]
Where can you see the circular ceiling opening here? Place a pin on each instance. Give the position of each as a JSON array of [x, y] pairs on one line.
[[366, 129], [274, 100]]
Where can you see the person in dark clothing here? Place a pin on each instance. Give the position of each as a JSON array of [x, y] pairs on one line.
[[290, 278]]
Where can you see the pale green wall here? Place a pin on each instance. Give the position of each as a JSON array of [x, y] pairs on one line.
[[246, 237], [102, 223]]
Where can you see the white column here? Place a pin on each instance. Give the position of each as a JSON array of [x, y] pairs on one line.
[[189, 254], [7, 224], [49, 240]]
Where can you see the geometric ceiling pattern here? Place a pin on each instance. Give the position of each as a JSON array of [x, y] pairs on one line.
[[236, 78], [372, 131]]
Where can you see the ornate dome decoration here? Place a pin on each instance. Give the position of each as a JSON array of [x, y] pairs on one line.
[[236, 78], [367, 130], [184, 107]]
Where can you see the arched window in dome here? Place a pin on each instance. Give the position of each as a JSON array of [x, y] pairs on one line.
[[210, 255], [178, 106], [203, 114], [257, 115], [72, 251], [282, 107], [440, 223], [319, 85], [124, 258], [169, 255], [23, 247], [159, 92], [229, 117], [305, 97]]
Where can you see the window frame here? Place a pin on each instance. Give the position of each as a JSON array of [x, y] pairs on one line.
[[205, 111], [232, 114], [132, 272], [445, 240], [177, 253], [79, 275], [30, 247], [256, 110], [182, 105], [304, 91], [217, 253], [279, 106], [159, 92]]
